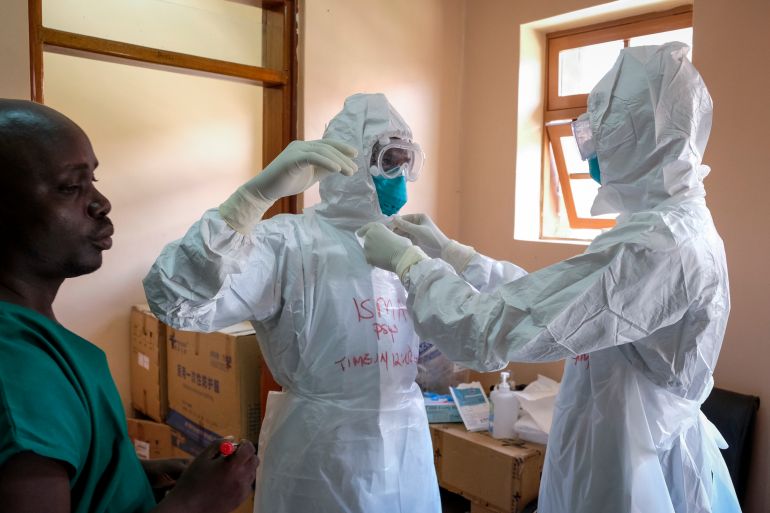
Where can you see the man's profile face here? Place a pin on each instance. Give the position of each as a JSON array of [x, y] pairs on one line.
[[61, 219]]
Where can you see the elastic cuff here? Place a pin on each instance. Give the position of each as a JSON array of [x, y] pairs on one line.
[[457, 255], [409, 257], [243, 210]]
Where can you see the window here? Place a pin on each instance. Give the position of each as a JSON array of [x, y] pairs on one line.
[[576, 60]]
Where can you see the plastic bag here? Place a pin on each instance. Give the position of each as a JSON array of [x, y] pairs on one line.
[[435, 372], [537, 401]]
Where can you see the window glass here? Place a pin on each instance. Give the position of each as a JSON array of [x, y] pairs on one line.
[[568, 192], [229, 31], [572, 156], [584, 192], [581, 68], [684, 35]]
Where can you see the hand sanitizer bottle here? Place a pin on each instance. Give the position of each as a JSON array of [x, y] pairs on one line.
[[504, 408]]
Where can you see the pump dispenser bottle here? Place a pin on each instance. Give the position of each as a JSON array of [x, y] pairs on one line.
[[504, 408]]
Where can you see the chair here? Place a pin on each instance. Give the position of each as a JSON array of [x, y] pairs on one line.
[[734, 415]]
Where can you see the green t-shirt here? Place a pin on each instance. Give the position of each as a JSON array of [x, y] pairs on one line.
[[58, 400]]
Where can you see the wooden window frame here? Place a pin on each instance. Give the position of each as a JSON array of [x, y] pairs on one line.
[[558, 108], [278, 77]]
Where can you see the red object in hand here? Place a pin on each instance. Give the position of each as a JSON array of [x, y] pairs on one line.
[[227, 447]]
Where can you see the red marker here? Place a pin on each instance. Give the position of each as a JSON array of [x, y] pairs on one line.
[[227, 447]]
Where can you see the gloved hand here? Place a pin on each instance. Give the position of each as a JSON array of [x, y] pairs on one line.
[[300, 165], [386, 250], [297, 167], [421, 230]]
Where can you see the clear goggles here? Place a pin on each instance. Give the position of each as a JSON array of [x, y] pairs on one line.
[[392, 158], [581, 129]]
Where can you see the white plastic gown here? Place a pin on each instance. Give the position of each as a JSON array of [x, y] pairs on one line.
[[639, 317], [350, 432]]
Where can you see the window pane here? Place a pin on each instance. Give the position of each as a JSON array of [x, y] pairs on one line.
[[581, 68], [230, 31], [684, 35], [572, 156], [584, 192]]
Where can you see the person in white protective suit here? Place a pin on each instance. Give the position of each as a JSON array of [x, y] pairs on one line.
[[639, 317], [349, 433]]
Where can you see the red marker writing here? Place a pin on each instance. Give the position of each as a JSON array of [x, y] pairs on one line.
[[227, 447]]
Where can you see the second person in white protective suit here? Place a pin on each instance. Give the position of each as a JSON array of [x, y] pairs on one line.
[[349, 433], [639, 317]]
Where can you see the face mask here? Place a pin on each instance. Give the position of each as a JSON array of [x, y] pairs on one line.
[[581, 129], [391, 193], [593, 169]]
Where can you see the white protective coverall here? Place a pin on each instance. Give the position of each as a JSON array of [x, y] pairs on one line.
[[350, 432], [639, 317]]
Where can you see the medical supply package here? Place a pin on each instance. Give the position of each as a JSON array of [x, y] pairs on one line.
[[441, 408], [473, 405]]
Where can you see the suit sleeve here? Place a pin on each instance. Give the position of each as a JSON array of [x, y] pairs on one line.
[[215, 277], [583, 304]]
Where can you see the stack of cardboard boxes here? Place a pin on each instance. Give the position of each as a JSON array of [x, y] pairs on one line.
[[189, 389]]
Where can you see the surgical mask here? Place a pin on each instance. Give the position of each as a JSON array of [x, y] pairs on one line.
[[394, 157], [593, 169], [391, 193], [584, 137]]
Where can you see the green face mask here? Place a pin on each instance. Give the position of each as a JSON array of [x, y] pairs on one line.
[[593, 169], [391, 193]]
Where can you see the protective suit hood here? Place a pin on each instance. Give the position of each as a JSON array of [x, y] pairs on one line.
[[651, 118], [352, 201]]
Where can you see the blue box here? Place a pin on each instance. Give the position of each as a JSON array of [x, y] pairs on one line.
[[441, 409]]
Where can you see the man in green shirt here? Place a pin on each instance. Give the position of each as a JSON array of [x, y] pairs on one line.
[[63, 441]]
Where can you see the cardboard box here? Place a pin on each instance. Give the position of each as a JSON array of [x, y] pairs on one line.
[[478, 508], [151, 440], [213, 385], [499, 476], [149, 393], [183, 446]]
